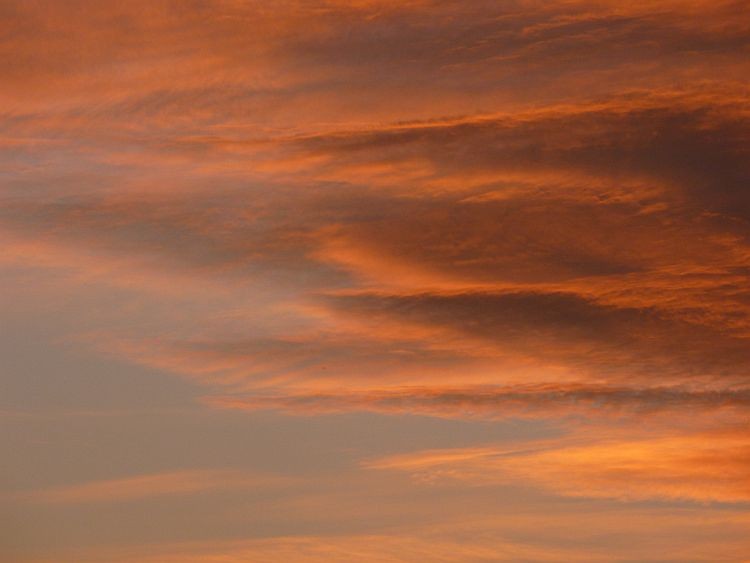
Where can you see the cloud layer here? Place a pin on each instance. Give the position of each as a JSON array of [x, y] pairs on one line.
[[533, 211]]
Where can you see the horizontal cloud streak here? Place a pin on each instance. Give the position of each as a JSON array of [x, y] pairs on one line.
[[534, 401], [129, 489], [596, 338], [702, 467]]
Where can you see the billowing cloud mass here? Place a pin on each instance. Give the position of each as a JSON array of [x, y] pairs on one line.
[[531, 213]]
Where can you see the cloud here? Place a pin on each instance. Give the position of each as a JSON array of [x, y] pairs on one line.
[[358, 548], [532, 210], [691, 143], [560, 259], [128, 489], [538, 401], [590, 533], [172, 65], [542, 272], [700, 467], [598, 340], [318, 361]]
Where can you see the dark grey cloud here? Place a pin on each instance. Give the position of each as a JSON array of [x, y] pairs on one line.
[[696, 149], [597, 340], [240, 233], [523, 44]]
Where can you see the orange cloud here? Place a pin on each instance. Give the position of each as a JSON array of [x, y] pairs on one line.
[[533, 210], [539, 401], [608, 536], [139, 487], [558, 274], [365, 548], [697, 467]]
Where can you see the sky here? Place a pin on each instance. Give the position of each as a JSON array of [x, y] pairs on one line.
[[388, 281]]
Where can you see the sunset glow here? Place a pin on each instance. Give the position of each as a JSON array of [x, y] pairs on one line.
[[375, 281]]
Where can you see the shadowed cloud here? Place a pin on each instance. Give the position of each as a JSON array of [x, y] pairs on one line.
[[519, 219], [532, 401]]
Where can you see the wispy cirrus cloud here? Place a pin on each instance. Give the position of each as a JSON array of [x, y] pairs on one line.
[[138, 487], [359, 548], [508, 213], [529, 401], [583, 278], [693, 467]]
